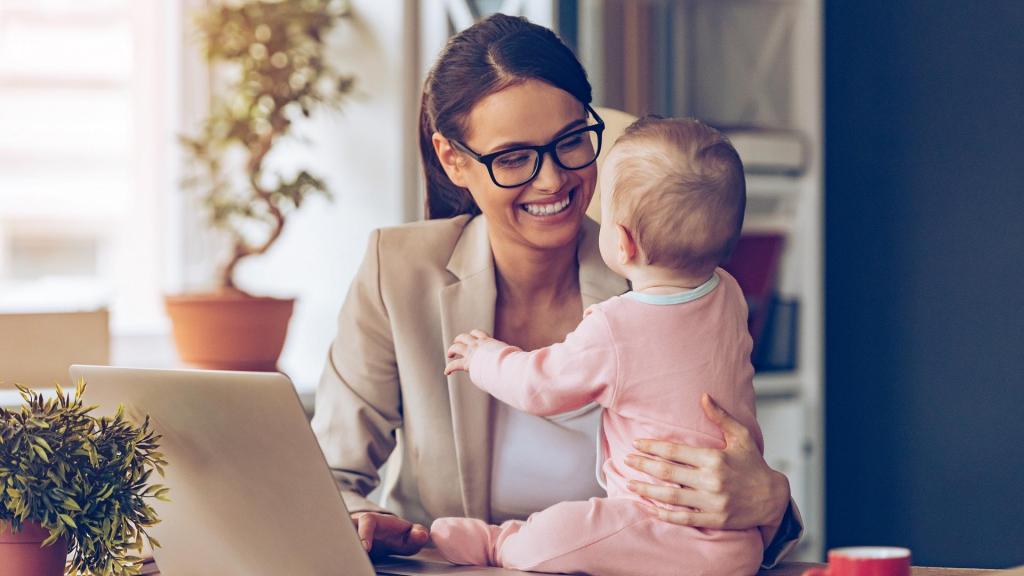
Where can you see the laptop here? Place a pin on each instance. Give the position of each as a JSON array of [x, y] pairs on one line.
[[250, 491]]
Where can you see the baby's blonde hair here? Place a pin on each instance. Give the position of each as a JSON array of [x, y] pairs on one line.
[[680, 191]]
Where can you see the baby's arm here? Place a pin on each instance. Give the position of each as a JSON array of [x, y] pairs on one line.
[[550, 380]]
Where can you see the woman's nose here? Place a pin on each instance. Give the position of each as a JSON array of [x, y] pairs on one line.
[[551, 176]]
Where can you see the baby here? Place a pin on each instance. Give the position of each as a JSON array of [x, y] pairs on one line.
[[671, 212]]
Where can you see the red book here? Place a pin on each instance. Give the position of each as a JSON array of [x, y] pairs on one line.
[[754, 264]]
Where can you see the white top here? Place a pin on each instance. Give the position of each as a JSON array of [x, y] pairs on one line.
[[558, 453]]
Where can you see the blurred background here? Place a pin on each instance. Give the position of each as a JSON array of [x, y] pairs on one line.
[[883, 243]]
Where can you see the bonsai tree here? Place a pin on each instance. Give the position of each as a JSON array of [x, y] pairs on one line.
[[82, 478], [273, 57]]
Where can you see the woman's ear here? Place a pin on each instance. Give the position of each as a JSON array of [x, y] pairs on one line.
[[449, 158], [627, 246]]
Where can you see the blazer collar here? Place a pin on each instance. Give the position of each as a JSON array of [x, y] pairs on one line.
[[469, 303], [472, 255]]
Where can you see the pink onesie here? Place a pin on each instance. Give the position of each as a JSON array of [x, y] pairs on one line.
[[646, 360]]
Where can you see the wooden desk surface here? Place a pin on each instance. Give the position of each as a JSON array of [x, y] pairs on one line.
[[788, 569], [798, 568]]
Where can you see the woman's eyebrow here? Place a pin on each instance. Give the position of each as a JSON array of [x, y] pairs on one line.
[[567, 128]]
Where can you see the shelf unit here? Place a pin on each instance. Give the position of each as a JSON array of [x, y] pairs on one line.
[[740, 63]]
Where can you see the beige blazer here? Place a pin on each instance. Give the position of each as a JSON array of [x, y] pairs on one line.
[[383, 395], [384, 387]]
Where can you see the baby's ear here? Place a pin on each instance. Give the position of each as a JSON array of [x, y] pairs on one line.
[[627, 246]]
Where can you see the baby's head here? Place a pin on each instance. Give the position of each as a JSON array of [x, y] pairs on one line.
[[673, 194]]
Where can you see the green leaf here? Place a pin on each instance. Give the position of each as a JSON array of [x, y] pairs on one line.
[[43, 443], [53, 537], [42, 453]]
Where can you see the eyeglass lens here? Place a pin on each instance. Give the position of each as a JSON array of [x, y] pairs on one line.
[[519, 166]]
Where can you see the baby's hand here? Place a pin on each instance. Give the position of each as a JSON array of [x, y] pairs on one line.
[[462, 349]]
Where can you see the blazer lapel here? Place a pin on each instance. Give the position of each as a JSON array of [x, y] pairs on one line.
[[465, 305]]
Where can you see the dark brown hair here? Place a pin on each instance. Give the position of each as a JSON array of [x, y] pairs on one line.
[[493, 54], [679, 189]]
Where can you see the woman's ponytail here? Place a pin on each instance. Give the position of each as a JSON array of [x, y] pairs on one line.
[[444, 198]]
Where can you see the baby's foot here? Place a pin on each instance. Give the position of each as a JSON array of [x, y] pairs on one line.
[[464, 541]]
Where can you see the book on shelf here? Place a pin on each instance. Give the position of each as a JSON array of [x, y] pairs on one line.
[[754, 263], [769, 150], [777, 350]]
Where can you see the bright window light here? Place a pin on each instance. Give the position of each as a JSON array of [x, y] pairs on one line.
[[86, 109]]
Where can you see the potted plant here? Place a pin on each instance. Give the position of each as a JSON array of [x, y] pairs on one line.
[[272, 56], [74, 483]]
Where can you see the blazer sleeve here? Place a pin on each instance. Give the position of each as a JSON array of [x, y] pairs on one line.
[[786, 537], [358, 400]]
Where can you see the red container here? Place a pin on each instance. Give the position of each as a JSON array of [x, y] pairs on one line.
[[22, 555], [865, 561]]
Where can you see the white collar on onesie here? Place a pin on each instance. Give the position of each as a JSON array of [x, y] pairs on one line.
[[677, 298]]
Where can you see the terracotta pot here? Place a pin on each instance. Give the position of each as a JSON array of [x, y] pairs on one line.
[[21, 554], [229, 330]]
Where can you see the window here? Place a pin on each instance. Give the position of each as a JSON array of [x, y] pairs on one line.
[[86, 135]]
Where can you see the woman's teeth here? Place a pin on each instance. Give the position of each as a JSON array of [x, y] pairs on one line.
[[548, 209]]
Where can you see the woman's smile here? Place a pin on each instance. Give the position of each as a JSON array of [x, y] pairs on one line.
[[548, 209]]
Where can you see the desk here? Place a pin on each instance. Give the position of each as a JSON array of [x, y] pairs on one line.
[[798, 568], [783, 569]]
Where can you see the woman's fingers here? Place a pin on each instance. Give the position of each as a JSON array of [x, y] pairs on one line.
[[677, 474], [712, 504], [365, 524], [480, 334], [692, 518], [732, 488], [678, 453], [383, 534], [699, 509], [411, 541], [732, 429], [672, 495]]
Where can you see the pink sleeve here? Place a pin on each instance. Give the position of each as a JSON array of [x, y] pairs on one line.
[[561, 377]]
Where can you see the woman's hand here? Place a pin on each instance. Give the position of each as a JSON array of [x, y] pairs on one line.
[[383, 534], [462, 349], [732, 488]]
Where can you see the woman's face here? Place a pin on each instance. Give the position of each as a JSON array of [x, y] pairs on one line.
[[534, 214]]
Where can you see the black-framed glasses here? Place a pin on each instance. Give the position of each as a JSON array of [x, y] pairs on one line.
[[515, 167]]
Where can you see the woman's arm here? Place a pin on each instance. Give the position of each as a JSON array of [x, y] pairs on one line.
[[358, 399], [732, 488]]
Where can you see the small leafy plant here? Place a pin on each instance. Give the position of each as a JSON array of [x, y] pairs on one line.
[[273, 57], [82, 478]]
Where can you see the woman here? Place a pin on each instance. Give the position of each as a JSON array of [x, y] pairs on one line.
[[508, 250]]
